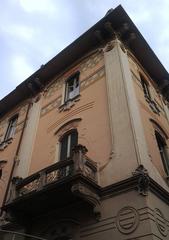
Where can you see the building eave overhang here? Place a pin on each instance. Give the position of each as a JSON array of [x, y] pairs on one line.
[[85, 43]]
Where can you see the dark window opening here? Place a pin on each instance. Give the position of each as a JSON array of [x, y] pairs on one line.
[[72, 87], [67, 143], [162, 150], [11, 128], [145, 87]]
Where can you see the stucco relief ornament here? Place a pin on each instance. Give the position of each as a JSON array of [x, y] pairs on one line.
[[110, 45], [127, 220], [143, 180], [160, 222]]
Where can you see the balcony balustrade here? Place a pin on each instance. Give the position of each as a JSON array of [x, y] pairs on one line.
[[65, 182], [78, 164]]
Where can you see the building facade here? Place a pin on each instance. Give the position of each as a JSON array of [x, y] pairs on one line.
[[84, 141]]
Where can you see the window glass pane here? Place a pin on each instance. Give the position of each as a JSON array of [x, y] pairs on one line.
[[145, 88], [72, 88], [68, 142], [11, 128], [74, 140], [161, 146], [63, 150]]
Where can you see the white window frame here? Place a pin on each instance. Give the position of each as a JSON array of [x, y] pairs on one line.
[[68, 94], [10, 131]]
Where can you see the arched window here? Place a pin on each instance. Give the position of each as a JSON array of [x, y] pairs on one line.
[[162, 147], [67, 143]]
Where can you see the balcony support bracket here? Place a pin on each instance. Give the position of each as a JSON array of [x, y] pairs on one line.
[[89, 196]]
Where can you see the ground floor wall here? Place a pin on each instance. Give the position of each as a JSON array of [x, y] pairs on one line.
[[124, 216], [130, 216]]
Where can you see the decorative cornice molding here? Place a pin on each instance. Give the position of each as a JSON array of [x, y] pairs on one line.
[[132, 184]]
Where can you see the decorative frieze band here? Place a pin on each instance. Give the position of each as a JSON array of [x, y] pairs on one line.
[[86, 65], [127, 220]]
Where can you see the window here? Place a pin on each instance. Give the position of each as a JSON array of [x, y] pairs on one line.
[[145, 87], [162, 146], [67, 143], [11, 128], [2, 164], [72, 87], [153, 105]]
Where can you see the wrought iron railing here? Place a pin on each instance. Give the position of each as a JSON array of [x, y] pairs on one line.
[[9, 235], [79, 163]]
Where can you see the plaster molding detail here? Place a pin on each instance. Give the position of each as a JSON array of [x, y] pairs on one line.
[[119, 85], [111, 44], [143, 180], [160, 222], [86, 64], [127, 220], [4, 144], [29, 136], [72, 124], [69, 104], [70, 115], [88, 195], [56, 103]]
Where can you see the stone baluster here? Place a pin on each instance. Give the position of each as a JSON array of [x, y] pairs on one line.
[[79, 152], [42, 180], [13, 193]]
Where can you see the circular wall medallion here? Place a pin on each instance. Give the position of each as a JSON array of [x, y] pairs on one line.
[[127, 220], [160, 222]]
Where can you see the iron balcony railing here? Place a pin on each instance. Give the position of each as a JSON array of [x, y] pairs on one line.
[[79, 163], [9, 235]]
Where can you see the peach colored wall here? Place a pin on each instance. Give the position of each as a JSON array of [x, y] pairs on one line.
[[92, 108], [9, 152], [147, 114]]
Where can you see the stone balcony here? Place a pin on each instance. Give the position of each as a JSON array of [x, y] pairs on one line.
[[60, 184], [9, 235]]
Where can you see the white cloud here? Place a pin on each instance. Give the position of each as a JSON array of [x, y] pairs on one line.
[[142, 17], [33, 31], [18, 31], [21, 69], [42, 6]]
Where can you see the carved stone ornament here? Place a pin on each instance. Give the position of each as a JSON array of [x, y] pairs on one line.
[[89, 196], [143, 180], [127, 220]]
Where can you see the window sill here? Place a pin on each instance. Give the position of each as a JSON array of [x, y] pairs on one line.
[[67, 105], [5, 143]]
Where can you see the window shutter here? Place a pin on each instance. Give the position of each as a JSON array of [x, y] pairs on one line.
[[64, 146], [74, 141]]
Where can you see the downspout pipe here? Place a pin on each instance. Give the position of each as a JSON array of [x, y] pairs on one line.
[[15, 158]]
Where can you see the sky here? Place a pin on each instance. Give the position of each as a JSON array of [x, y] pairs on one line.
[[34, 31]]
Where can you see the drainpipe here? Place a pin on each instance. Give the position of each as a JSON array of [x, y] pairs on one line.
[[15, 158]]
